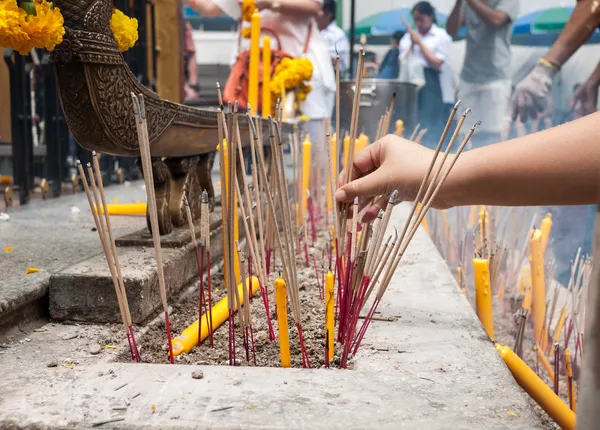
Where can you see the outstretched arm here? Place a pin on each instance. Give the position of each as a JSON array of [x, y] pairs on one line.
[[530, 93], [493, 18], [208, 8], [297, 8], [456, 19], [558, 166], [580, 26]]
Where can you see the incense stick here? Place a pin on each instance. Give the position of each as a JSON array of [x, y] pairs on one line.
[[123, 308], [142, 130]]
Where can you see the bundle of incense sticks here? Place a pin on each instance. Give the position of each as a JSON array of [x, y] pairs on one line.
[[365, 263], [97, 199], [139, 111]]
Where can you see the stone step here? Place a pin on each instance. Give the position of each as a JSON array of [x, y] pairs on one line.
[[85, 292]]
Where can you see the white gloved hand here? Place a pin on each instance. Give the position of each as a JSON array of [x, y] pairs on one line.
[[530, 96]]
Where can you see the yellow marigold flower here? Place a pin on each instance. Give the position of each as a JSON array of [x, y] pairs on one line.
[[46, 27], [11, 33], [246, 32], [248, 9], [124, 29]]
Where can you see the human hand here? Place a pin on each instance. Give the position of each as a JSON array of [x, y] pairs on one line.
[[585, 98], [530, 96], [414, 35], [391, 163]]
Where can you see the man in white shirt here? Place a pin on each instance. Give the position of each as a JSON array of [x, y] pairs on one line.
[[336, 39]]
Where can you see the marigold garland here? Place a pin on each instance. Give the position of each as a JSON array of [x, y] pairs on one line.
[[292, 73], [248, 9], [124, 29], [22, 32], [40, 24]]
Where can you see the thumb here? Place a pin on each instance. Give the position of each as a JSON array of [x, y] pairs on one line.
[[373, 184]]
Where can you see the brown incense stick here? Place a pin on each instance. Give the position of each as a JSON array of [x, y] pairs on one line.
[[205, 239], [142, 129], [219, 94], [414, 133], [423, 210], [111, 239], [420, 135], [332, 178], [388, 118], [123, 309]]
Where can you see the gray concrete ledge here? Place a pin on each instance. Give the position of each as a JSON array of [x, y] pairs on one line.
[[85, 292], [48, 235], [432, 368]]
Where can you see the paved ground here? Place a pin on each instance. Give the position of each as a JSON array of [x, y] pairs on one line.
[[433, 367], [52, 235]]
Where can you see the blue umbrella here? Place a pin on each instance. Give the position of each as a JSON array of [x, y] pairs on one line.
[[542, 27], [188, 13]]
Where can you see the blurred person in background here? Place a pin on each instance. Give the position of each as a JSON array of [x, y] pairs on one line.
[[431, 45], [336, 39], [293, 21], [585, 95], [571, 224], [485, 84], [389, 68], [192, 89], [531, 93]]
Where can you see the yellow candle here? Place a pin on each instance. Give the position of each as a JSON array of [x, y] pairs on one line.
[[266, 81], [346, 144], [306, 153], [334, 170], [537, 389], [539, 287], [361, 143], [124, 209], [559, 325], [546, 228], [254, 62], [329, 312], [236, 220], [525, 281], [483, 294], [282, 322], [542, 359], [188, 339], [459, 276], [399, 128], [425, 225], [334, 161], [569, 376]]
